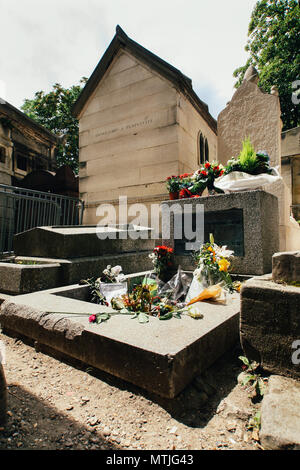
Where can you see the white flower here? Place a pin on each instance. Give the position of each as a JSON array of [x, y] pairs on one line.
[[222, 252], [198, 273], [121, 278], [116, 270]]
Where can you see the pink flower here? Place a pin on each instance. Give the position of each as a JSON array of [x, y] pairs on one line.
[[92, 318]]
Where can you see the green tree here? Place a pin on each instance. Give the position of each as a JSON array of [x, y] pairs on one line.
[[273, 45], [53, 111]]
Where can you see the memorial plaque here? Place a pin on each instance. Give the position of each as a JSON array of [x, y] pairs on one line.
[[226, 226]]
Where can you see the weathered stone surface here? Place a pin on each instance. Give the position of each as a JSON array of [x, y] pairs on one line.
[[286, 267], [3, 397], [160, 356], [258, 229], [250, 113], [21, 279], [270, 324], [280, 415], [82, 241]]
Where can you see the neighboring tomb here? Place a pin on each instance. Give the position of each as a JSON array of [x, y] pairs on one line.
[[250, 113], [48, 257], [270, 318], [25, 145], [247, 222], [255, 114]]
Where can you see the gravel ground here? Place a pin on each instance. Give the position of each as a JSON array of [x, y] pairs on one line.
[[54, 404]]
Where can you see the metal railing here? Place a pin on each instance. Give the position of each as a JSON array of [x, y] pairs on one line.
[[22, 209]]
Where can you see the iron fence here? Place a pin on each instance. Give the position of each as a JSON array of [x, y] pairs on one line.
[[22, 209]]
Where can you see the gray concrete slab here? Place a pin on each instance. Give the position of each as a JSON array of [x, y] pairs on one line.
[[160, 356]]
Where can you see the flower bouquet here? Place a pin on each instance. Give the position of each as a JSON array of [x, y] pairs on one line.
[[163, 262], [112, 282], [173, 185], [213, 264]]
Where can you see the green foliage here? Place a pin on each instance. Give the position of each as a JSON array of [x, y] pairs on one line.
[[249, 161], [53, 111], [255, 421], [273, 45], [252, 378], [247, 156]]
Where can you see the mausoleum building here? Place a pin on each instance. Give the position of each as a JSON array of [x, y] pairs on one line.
[[140, 121], [25, 145]]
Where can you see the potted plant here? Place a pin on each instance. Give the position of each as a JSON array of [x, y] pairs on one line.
[[249, 161], [173, 186]]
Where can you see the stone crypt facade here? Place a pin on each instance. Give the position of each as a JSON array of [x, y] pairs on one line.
[[25, 145], [140, 121]]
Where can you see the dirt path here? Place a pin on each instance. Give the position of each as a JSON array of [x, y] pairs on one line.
[[55, 405]]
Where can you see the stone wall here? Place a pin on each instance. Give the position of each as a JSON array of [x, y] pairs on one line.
[[250, 113]]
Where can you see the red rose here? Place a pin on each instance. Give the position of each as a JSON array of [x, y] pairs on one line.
[[92, 318], [204, 173], [207, 165], [185, 193]]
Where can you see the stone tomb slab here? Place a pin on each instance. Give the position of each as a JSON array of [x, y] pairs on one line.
[[82, 241], [160, 356]]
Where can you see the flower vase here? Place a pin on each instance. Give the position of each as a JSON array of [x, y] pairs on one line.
[[174, 195]]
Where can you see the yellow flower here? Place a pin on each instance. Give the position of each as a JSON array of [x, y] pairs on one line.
[[223, 265]]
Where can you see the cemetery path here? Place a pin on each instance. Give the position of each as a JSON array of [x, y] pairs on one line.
[[58, 405]]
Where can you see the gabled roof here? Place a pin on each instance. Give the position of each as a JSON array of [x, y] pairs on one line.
[[175, 76], [13, 114]]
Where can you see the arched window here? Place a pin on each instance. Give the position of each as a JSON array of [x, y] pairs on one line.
[[203, 153], [206, 149], [201, 159]]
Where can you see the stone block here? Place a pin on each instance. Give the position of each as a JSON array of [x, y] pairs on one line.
[[22, 279], [280, 415], [270, 324], [161, 356], [286, 267], [247, 222], [82, 241]]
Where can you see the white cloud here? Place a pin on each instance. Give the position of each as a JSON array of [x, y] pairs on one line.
[[50, 41]]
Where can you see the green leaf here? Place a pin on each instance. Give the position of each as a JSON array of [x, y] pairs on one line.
[[125, 311], [177, 315], [167, 316], [143, 317], [244, 360]]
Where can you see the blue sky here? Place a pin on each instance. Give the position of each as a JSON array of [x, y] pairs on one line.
[[48, 41]]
